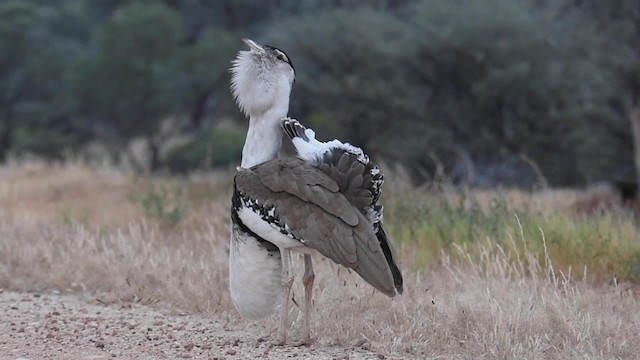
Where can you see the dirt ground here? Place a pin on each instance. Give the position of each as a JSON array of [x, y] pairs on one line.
[[53, 326]]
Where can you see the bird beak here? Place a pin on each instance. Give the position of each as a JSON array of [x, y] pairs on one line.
[[253, 46]]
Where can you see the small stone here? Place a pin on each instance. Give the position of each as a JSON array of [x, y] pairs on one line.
[[231, 352]]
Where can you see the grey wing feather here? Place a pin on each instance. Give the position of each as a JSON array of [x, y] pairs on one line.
[[359, 179], [356, 180], [317, 214], [308, 184], [355, 247]]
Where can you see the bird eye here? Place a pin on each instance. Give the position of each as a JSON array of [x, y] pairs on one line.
[[281, 56]]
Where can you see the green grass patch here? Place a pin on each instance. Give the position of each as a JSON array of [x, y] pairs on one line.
[[163, 201], [430, 223]]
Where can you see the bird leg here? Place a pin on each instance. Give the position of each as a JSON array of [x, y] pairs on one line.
[[287, 281], [307, 280]]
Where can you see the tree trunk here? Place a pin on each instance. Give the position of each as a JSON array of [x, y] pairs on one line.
[[154, 152], [198, 109], [6, 137], [635, 128]]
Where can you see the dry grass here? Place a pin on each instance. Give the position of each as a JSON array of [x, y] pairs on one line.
[[499, 291]]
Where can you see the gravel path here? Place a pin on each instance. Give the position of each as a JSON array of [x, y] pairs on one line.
[[52, 326]]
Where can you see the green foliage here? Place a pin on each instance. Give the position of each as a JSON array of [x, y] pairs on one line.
[[436, 77], [216, 147], [33, 96], [437, 223], [48, 143], [18, 22], [70, 216], [162, 201], [138, 76], [445, 86], [205, 64], [143, 33]]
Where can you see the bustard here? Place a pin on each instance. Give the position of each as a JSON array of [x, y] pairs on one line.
[[324, 201]]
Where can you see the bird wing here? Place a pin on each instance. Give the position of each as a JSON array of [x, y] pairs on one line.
[[359, 180], [303, 203]]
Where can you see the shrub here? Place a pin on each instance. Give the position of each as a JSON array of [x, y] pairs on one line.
[[220, 146]]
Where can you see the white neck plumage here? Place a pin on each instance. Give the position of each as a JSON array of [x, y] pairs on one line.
[[264, 136]]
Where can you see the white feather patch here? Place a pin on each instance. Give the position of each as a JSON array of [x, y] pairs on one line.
[[313, 150], [270, 232]]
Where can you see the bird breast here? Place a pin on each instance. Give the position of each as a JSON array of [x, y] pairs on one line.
[[254, 276]]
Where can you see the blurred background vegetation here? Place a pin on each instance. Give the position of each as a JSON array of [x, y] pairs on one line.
[[484, 93]]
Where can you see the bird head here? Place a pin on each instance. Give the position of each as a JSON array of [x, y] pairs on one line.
[[262, 78]]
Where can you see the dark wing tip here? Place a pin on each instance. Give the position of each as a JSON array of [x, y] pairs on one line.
[[389, 255], [293, 129]]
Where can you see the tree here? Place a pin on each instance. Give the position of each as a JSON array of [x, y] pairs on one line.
[[619, 21], [443, 86], [21, 43], [133, 82], [205, 63], [453, 83]]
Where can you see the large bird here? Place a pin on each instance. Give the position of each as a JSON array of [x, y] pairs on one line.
[[324, 201]]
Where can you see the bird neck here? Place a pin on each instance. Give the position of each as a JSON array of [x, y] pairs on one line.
[[264, 137]]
